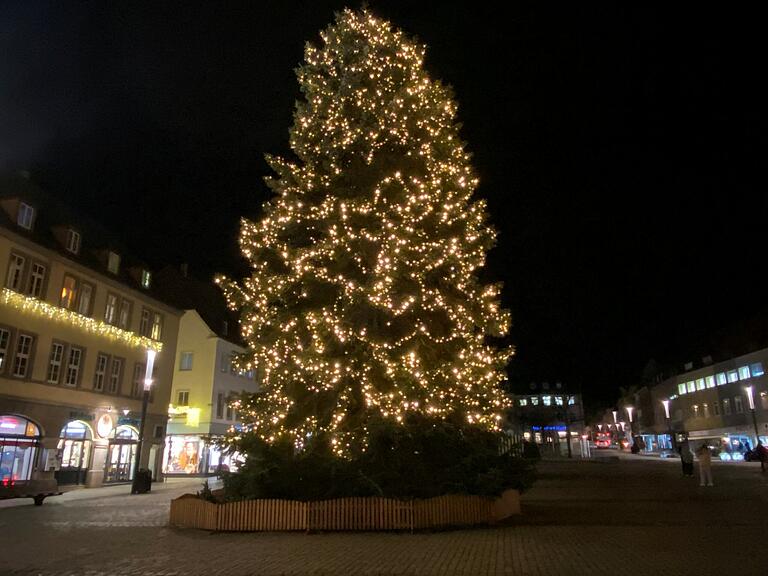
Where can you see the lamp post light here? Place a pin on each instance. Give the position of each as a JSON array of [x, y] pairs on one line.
[[669, 424], [616, 425], [629, 410], [136, 485], [751, 400]]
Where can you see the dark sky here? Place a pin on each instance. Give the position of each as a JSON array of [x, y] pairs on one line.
[[617, 145]]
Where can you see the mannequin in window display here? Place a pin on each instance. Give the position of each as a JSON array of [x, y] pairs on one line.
[[188, 459]]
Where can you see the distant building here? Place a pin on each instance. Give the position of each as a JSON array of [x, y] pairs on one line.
[[77, 316], [204, 377], [711, 404], [547, 414]]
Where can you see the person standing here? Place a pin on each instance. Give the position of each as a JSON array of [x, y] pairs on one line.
[[686, 457], [705, 466]]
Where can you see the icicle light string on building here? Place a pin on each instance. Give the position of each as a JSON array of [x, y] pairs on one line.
[[364, 298]]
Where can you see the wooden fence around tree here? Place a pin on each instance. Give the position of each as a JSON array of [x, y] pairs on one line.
[[357, 514]]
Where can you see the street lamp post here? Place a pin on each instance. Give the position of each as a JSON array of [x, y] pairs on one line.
[[751, 400], [136, 487], [669, 424], [629, 410], [616, 425]]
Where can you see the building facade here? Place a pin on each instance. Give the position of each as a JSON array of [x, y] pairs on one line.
[[76, 321], [723, 405], [549, 415], [204, 380]]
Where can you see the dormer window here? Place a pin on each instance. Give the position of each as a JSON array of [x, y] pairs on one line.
[[146, 278], [26, 216], [73, 241], [113, 262]]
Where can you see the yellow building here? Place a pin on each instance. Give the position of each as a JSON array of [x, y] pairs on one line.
[[204, 377], [76, 321]]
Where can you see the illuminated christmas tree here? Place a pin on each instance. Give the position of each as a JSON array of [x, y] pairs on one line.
[[364, 300]]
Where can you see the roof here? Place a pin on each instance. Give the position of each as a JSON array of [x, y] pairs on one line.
[[95, 238], [205, 298]]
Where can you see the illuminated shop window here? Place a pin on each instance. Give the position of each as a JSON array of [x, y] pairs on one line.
[[681, 388], [733, 376], [756, 369], [710, 381]]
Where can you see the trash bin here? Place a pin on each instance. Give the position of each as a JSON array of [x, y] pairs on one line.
[[143, 481]]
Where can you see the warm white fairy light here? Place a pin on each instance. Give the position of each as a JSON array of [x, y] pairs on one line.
[[31, 305], [364, 297]]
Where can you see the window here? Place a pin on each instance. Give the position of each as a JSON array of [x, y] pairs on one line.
[[706, 410], [185, 362], [559, 400], [710, 381], [220, 406], [183, 398], [681, 388], [73, 366], [764, 400], [738, 404], [101, 371], [695, 411], [159, 431], [115, 375], [230, 412], [113, 262], [571, 400], [756, 369], [157, 326], [144, 327], [716, 408], [25, 216], [700, 384], [15, 272], [125, 314], [73, 241], [110, 312], [36, 280], [733, 376], [546, 400], [744, 372], [726, 407], [722, 379], [23, 355], [54, 364], [146, 278], [691, 386], [137, 387], [86, 296], [535, 400], [5, 341], [68, 292], [224, 361]]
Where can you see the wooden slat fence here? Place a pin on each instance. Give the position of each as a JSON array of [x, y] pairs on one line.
[[357, 514]]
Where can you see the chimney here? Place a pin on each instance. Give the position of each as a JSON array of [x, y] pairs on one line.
[[184, 269]]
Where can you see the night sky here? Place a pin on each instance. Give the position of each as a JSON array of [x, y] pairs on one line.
[[617, 146]]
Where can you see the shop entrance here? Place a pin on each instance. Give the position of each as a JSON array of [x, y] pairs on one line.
[[19, 443], [122, 451], [75, 448]]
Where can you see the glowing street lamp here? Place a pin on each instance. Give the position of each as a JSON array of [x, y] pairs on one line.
[[136, 485], [629, 410], [751, 400], [669, 425], [616, 425]]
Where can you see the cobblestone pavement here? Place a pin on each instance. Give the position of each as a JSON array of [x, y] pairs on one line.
[[625, 517]]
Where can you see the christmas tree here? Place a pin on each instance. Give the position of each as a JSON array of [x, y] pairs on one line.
[[364, 301]]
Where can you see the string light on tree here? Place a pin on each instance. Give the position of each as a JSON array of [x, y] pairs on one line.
[[364, 298]]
